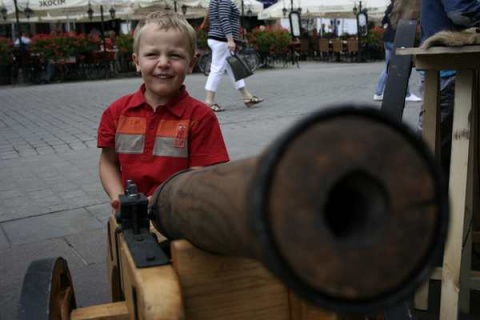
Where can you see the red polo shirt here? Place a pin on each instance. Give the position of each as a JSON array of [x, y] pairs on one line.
[[153, 145]]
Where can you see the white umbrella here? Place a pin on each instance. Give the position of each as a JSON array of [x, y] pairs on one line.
[[321, 8], [47, 10], [198, 5]]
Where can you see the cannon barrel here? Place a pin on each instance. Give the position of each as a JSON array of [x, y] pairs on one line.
[[347, 208]]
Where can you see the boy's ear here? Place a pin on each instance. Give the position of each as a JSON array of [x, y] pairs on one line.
[[135, 61], [192, 64]]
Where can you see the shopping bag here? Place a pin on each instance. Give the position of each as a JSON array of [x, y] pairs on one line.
[[239, 67]]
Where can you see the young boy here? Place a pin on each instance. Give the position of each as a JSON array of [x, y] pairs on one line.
[[159, 130]]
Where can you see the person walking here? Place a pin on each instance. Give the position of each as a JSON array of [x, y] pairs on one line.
[[388, 38], [224, 30], [25, 40]]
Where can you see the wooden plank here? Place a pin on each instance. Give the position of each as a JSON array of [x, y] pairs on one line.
[[461, 61], [474, 277], [475, 280], [471, 205], [111, 311], [431, 114], [458, 192], [113, 265], [437, 50], [300, 310], [438, 58], [219, 287], [150, 293], [421, 297]]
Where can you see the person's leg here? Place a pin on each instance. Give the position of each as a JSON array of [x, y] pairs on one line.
[[49, 72], [248, 98], [217, 68], [388, 46]]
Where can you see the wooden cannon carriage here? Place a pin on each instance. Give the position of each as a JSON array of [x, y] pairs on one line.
[[345, 212]]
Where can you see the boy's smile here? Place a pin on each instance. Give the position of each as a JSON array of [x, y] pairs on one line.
[[164, 59]]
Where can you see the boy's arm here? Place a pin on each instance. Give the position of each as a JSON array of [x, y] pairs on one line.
[[110, 176]]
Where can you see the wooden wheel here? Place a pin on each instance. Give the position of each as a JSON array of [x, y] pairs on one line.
[[47, 291]]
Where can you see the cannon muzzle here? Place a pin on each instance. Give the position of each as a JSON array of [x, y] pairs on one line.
[[347, 208]]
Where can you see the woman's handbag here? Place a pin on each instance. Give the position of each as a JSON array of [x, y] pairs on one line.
[[239, 67]]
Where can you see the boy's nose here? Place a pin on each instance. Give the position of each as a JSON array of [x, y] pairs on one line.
[[163, 61]]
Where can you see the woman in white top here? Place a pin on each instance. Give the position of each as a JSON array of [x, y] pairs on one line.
[[224, 30]]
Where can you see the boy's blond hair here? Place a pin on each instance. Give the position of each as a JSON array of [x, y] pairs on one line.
[[165, 20]]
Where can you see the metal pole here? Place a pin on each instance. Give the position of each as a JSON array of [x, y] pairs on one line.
[[19, 37], [21, 46], [103, 29], [175, 5], [359, 36]]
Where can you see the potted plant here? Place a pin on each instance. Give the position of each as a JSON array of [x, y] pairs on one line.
[[6, 51], [124, 44], [65, 47], [47, 46], [374, 43], [269, 41], [202, 40]]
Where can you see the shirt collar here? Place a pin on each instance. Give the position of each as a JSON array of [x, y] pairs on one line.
[[176, 106]]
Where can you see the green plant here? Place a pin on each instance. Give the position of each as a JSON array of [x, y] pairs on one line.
[[6, 50], [86, 44], [374, 37], [124, 44], [202, 39], [270, 40], [58, 47]]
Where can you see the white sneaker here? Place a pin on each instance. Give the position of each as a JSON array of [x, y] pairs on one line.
[[413, 98], [377, 97]]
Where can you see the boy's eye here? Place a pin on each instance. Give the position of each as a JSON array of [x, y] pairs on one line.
[[150, 55], [176, 56]]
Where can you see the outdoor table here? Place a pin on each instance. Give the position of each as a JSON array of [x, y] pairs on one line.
[[456, 276]]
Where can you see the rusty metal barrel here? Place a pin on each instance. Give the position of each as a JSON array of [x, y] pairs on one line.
[[347, 208]]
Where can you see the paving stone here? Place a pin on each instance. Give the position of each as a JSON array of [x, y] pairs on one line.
[[102, 211], [84, 242], [45, 150], [51, 225], [27, 152], [15, 261], [77, 146], [4, 243], [9, 155]]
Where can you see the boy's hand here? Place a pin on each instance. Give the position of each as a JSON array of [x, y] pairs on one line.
[[115, 203]]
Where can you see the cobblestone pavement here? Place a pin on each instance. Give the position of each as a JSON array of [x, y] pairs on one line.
[[51, 201]]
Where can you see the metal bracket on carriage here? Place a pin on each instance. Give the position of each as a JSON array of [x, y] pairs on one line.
[[135, 225]]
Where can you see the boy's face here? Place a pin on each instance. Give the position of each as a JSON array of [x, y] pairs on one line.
[[164, 60]]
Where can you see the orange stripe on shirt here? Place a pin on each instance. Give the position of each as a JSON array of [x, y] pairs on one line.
[[131, 125], [169, 128]]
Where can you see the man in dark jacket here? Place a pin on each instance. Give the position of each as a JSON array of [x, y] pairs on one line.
[[388, 38], [452, 15]]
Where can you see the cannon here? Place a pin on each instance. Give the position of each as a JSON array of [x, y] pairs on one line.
[[345, 212]]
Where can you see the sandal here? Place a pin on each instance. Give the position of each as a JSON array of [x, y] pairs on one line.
[[252, 101], [216, 108]]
